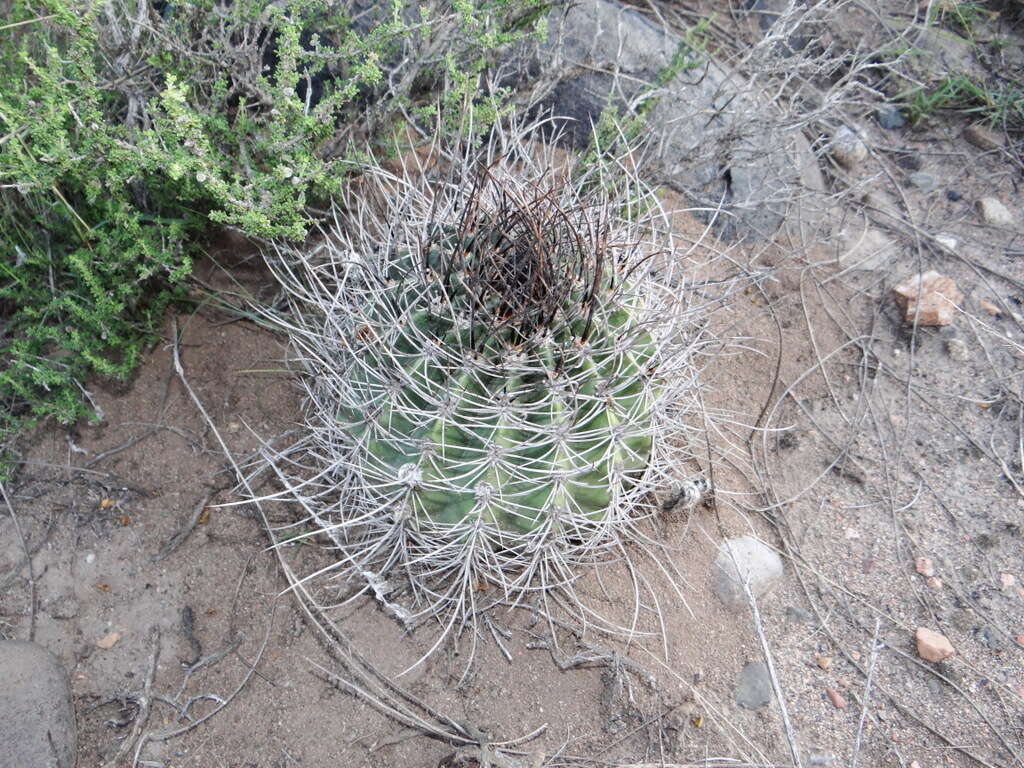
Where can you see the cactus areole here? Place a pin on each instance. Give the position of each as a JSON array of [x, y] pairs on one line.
[[496, 371]]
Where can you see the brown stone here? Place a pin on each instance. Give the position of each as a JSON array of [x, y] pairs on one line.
[[991, 308], [931, 646], [928, 299], [836, 698], [924, 566], [983, 138]]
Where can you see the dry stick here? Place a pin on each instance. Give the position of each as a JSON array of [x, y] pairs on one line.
[[776, 686], [145, 701], [31, 568], [867, 693], [186, 529]]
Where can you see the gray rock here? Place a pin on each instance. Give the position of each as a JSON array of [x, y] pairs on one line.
[[769, 13], [62, 607], [848, 148], [754, 690], [744, 560], [922, 181], [37, 719], [957, 350], [993, 212], [890, 118], [715, 141]]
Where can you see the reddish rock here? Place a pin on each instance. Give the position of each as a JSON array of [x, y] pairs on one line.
[[836, 698], [924, 566], [928, 299], [931, 646]]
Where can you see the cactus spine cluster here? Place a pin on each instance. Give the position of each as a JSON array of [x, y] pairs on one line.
[[497, 361]]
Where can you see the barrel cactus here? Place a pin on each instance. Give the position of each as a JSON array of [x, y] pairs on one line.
[[497, 357]]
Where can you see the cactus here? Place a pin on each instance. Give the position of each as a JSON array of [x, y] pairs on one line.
[[498, 367]]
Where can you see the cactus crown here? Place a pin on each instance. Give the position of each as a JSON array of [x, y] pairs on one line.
[[518, 263]]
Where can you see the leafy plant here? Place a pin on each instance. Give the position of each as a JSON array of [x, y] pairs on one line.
[[127, 129], [998, 104]]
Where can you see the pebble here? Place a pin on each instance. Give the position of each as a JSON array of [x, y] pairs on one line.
[[990, 308], [890, 118], [953, 196], [90, 557], [992, 211], [924, 566], [957, 350], [1007, 580], [928, 299], [947, 241], [932, 646], [744, 560], [754, 690], [836, 698], [982, 137], [37, 718], [825, 662], [61, 607], [934, 582], [922, 181], [848, 148], [108, 641]]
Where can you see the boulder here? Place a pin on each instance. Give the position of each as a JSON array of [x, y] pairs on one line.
[[714, 139], [37, 718]]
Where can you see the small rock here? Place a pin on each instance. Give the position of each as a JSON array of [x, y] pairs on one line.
[[855, 655], [953, 196], [934, 686], [991, 638], [992, 211], [108, 641], [991, 308], [61, 607], [824, 662], [932, 646], [982, 137], [37, 718], [848, 148], [90, 557], [928, 299], [947, 241], [1007, 580], [890, 118], [754, 690], [934, 582], [836, 698], [924, 566], [957, 350], [744, 560], [922, 181]]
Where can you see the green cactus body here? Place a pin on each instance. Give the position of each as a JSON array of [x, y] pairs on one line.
[[513, 430]]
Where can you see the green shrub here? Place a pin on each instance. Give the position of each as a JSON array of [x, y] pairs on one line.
[[127, 129]]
